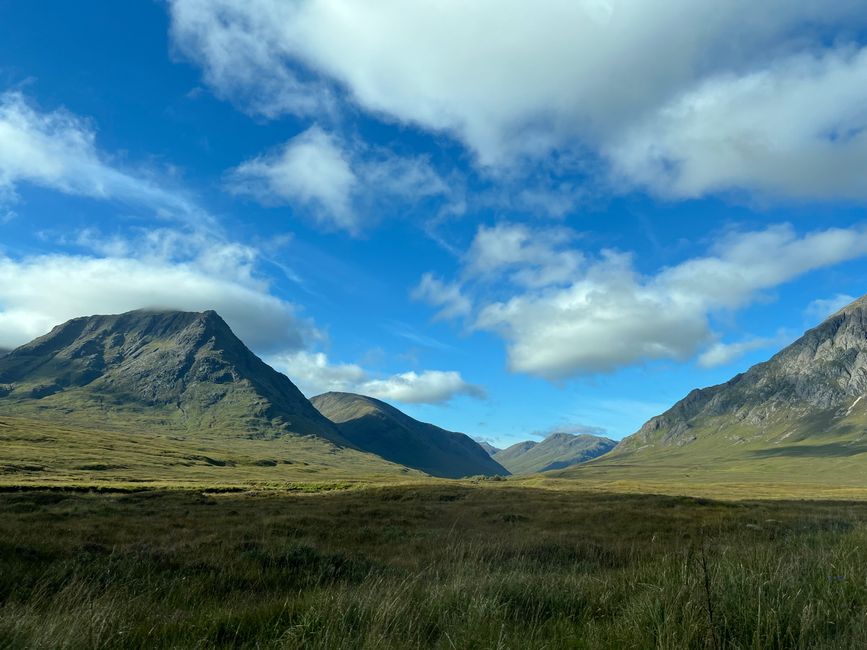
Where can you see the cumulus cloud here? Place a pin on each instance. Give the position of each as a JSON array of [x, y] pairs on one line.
[[522, 79], [822, 308], [535, 258], [797, 128], [57, 150], [428, 387], [338, 182], [313, 373], [162, 269], [608, 315]]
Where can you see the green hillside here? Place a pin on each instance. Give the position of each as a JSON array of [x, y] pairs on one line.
[[157, 396], [377, 427]]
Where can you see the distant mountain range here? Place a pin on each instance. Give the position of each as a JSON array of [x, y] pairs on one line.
[[557, 451], [488, 447], [152, 395], [187, 377]]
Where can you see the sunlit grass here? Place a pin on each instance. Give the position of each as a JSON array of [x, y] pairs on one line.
[[417, 566]]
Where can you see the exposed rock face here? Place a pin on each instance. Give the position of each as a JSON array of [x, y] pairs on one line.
[[825, 370], [557, 451], [374, 426], [189, 368]]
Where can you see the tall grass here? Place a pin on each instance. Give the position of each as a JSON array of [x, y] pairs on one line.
[[429, 568]]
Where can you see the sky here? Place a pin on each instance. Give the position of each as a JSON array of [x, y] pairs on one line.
[[506, 218]]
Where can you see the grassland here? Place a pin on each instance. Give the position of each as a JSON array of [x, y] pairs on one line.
[[824, 457], [43, 452], [419, 566]]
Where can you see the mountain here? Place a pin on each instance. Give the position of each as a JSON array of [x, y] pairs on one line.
[[814, 385], [488, 447], [557, 451], [379, 428], [188, 370], [181, 380], [800, 416]]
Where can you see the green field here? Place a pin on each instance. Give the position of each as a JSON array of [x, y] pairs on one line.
[[420, 566], [42, 452], [122, 537]]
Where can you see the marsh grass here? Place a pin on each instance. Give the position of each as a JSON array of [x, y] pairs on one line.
[[428, 566]]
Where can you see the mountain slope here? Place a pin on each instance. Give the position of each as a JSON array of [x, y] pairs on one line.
[[813, 385], [187, 370], [799, 416], [488, 447], [181, 378], [376, 427], [557, 451]]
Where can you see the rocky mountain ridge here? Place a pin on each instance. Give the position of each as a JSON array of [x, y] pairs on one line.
[[823, 373]]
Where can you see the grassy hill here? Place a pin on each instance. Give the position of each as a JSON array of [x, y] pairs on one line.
[[375, 426]]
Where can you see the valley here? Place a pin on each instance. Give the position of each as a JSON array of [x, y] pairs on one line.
[[161, 486]]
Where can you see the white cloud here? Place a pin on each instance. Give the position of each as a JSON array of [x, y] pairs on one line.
[[428, 387], [338, 182], [242, 47], [721, 354], [314, 374], [797, 128], [535, 258], [822, 308], [57, 150], [162, 269], [447, 296], [312, 168], [609, 316], [511, 78]]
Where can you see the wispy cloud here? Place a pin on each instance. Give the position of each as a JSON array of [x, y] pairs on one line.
[[822, 308], [57, 150], [342, 185]]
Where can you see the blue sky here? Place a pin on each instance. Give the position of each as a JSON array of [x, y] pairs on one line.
[[506, 218]]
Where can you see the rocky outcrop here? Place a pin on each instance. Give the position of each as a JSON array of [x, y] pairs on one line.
[[824, 370]]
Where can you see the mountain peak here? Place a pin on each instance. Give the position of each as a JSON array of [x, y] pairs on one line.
[[860, 304], [823, 371], [557, 451], [187, 369]]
